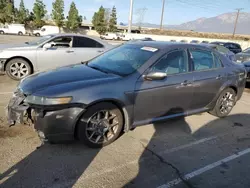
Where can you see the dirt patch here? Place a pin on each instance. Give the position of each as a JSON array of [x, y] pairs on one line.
[[197, 34], [18, 130]]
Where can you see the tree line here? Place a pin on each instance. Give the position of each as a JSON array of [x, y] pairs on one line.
[[104, 21], [38, 16]]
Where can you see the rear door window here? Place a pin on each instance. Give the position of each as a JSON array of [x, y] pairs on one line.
[[202, 60], [85, 42]]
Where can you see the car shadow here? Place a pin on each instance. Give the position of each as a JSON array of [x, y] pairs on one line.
[[164, 135]]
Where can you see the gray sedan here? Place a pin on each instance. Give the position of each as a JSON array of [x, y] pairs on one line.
[[134, 84], [51, 51]]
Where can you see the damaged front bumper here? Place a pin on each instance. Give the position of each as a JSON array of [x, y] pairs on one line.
[[53, 123]]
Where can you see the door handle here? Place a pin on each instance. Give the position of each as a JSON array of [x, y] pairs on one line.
[[69, 51], [218, 77], [100, 51]]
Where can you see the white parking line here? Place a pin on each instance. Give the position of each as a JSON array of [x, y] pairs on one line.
[[244, 102], [96, 174], [5, 93], [204, 169]]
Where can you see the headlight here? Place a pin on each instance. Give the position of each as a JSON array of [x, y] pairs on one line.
[[46, 100]]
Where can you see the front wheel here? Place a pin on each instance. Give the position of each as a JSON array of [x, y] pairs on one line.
[[18, 69], [37, 34], [1, 32], [100, 125], [224, 103], [20, 33]]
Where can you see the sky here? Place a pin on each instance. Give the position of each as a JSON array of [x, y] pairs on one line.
[[176, 11]]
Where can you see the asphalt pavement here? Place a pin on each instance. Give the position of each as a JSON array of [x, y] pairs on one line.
[[199, 151]]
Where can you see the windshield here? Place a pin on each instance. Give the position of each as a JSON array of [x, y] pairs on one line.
[[40, 40], [247, 50], [123, 60]]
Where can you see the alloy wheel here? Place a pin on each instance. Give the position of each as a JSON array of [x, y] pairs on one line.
[[227, 102], [102, 126], [19, 70]]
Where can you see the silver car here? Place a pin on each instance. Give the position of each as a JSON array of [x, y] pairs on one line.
[[51, 51]]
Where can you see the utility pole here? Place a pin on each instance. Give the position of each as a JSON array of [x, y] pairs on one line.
[[236, 21], [130, 19], [162, 14]]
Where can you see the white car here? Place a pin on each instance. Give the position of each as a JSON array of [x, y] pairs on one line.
[[46, 30], [110, 36], [48, 52], [17, 29]]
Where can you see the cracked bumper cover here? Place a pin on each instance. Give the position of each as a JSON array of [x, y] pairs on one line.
[[56, 123]]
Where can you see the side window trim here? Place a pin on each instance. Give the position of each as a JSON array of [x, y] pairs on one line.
[[165, 56]]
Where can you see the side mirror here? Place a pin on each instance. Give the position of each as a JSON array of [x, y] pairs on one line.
[[47, 46], [155, 75]]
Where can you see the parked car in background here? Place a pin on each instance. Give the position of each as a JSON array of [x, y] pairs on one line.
[[17, 29], [247, 66], [243, 56], [110, 36], [195, 41], [94, 102], [233, 47], [205, 42], [51, 51], [127, 37], [184, 41], [46, 30], [143, 39], [172, 40], [222, 50]]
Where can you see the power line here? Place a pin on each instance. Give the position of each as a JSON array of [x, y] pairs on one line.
[[236, 20]]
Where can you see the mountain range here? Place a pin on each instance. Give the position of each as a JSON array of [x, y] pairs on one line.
[[223, 23]]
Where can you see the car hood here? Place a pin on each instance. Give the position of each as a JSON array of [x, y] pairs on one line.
[[64, 75], [16, 46]]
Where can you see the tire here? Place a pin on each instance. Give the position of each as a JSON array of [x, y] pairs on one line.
[[1, 32], [20, 33], [92, 132], [226, 98], [18, 69], [37, 34]]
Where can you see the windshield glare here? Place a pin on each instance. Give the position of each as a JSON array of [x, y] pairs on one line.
[[123, 60], [40, 40]]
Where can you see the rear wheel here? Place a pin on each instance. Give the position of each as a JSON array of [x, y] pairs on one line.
[[18, 69], [100, 125], [1, 32], [37, 34], [224, 103], [20, 33]]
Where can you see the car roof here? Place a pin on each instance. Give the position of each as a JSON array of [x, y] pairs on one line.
[[167, 45], [80, 35]]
